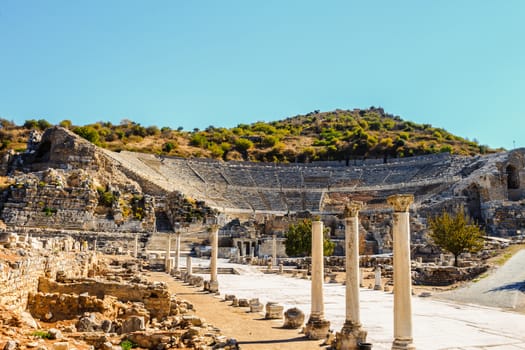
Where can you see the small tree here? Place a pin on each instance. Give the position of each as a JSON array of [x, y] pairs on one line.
[[299, 240], [455, 233]]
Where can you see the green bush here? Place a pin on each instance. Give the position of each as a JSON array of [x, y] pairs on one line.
[[41, 334], [105, 198], [89, 133], [49, 211], [127, 344]]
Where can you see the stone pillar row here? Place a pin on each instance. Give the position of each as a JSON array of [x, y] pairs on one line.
[[352, 335]]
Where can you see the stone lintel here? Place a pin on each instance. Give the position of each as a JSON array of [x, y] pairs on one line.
[[400, 202], [352, 209]]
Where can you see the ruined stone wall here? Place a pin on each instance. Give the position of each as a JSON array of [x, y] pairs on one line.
[[35, 205], [266, 247], [156, 299], [446, 275], [19, 274], [505, 219], [55, 306]]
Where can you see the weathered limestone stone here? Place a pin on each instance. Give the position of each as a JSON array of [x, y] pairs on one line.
[[189, 269], [177, 251], [377, 275], [87, 324], [133, 324], [229, 297], [55, 334], [167, 258], [213, 285], [293, 318], [317, 327], [106, 346], [106, 326], [11, 345], [243, 302], [351, 334], [256, 305], [402, 273], [61, 346], [273, 311], [274, 250]]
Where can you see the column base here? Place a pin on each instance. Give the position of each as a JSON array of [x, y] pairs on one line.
[[403, 344], [316, 328], [211, 286], [350, 337]]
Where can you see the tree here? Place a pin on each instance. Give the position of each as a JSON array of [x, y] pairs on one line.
[[299, 240], [455, 233], [89, 133]]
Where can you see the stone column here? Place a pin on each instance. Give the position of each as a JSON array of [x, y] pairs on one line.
[[167, 261], [177, 252], [274, 250], [136, 251], [189, 269], [351, 334], [317, 327], [214, 239], [377, 273], [402, 273]]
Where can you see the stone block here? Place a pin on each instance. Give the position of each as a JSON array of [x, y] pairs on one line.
[[273, 311], [133, 324], [11, 345], [55, 334], [256, 307], [293, 318], [87, 324], [243, 302], [61, 346]]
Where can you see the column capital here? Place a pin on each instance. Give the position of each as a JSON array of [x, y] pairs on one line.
[[400, 202], [352, 209]]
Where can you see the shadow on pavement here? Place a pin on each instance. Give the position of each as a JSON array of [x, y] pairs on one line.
[[511, 286]]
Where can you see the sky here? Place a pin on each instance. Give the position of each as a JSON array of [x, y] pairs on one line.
[[458, 65]]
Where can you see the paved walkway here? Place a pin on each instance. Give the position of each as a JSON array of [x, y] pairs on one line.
[[504, 288], [438, 325]]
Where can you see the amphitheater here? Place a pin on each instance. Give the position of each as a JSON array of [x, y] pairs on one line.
[[489, 186], [241, 187], [54, 222], [486, 185]]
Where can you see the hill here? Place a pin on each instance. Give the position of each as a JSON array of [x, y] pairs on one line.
[[334, 135]]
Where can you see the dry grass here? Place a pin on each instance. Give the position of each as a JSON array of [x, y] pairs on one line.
[[506, 254]]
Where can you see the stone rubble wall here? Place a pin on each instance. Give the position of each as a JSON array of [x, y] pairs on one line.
[[156, 298], [19, 275], [56, 307], [445, 275]]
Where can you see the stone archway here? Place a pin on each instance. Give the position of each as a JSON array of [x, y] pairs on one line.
[[513, 177], [473, 202]]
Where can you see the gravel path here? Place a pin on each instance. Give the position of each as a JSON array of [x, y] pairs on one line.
[[504, 288]]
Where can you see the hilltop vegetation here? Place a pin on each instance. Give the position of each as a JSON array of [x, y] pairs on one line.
[[335, 135]]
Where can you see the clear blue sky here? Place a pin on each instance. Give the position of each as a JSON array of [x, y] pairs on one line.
[[456, 64]]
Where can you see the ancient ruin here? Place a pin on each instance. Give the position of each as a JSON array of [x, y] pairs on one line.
[[68, 205]]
